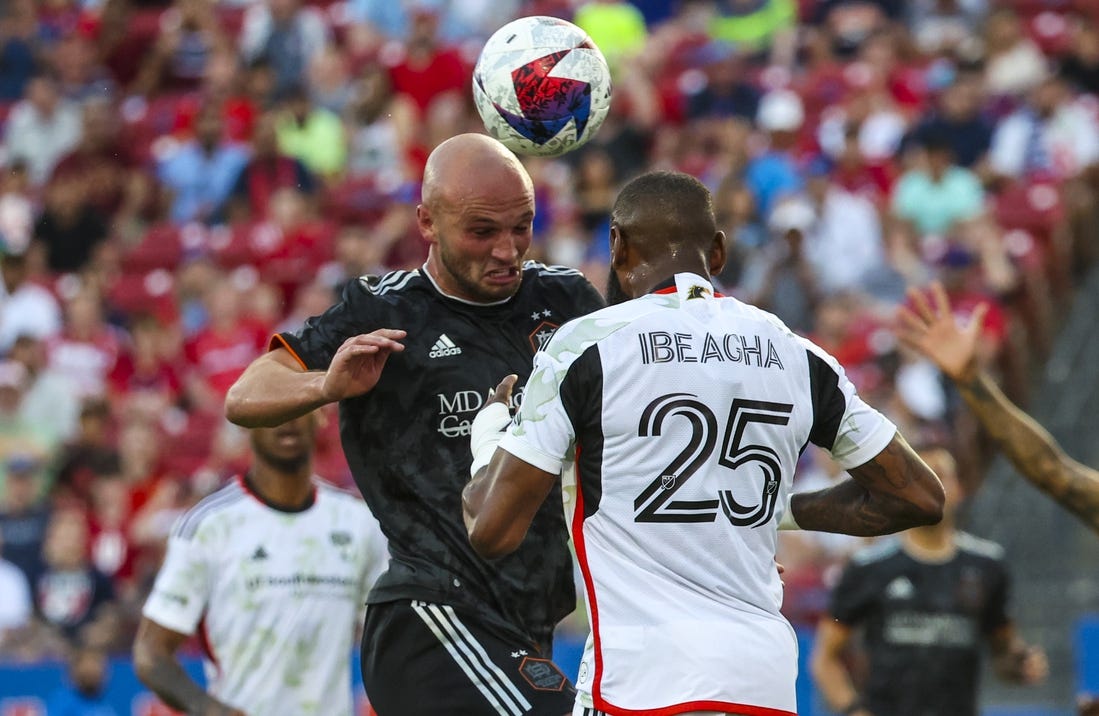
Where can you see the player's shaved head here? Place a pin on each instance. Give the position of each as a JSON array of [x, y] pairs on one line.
[[464, 165], [663, 210], [477, 213]]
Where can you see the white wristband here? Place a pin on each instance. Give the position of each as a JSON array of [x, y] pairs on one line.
[[787, 522], [485, 433]]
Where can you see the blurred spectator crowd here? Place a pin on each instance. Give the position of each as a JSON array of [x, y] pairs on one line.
[[181, 178]]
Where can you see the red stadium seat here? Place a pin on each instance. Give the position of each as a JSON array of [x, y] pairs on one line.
[[356, 200], [1035, 208], [144, 292], [190, 447], [161, 247], [232, 247], [1051, 31]]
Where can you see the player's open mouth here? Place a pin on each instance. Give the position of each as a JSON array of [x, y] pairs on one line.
[[502, 276]]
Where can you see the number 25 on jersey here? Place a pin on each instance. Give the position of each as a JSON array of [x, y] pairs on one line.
[[656, 503]]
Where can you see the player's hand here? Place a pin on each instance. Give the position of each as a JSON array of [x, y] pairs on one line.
[[929, 328], [358, 363], [1033, 665], [502, 393]]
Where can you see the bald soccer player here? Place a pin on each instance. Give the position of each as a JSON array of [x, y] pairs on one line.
[[411, 357]]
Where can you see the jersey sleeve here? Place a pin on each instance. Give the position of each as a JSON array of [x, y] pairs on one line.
[[849, 429], [588, 300], [315, 343], [854, 595], [182, 588]]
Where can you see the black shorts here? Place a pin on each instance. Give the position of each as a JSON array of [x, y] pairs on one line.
[[420, 658]]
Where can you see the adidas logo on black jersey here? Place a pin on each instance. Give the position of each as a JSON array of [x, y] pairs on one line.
[[444, 347]]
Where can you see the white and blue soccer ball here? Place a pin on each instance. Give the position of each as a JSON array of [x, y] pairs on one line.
[[541, 86]]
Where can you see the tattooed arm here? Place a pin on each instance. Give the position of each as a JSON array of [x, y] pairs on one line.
[[894, 491], [930, 328], [1033, 451]]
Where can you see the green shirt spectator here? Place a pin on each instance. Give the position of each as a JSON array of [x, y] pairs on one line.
[[617, 28], [312, 135], [752, 25], [936, 198]]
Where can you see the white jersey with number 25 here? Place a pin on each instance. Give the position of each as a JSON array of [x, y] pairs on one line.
[[686, 412]]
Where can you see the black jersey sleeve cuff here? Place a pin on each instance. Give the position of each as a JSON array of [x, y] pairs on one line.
[[293, 346]]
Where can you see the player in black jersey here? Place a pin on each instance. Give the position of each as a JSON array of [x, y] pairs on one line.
[[411, 357], [927, 602]]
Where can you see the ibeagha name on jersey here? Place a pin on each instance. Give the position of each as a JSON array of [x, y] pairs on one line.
[[668, 347]]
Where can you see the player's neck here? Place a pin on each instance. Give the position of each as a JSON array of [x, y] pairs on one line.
[[280, 490], [646, 277], [931, 544]]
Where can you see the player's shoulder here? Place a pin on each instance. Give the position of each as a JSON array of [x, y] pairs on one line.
[[344, 509], [388, 287], [978, 547], [743, 311], [880, 551], [579, 334], [216, 503], [562, 288], [552, 273]]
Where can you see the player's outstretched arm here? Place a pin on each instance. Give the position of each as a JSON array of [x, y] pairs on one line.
[[155, 663], [893, 491], [929, 328], [276, 388]]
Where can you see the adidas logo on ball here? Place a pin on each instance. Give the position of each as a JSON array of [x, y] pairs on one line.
[[444, 347]]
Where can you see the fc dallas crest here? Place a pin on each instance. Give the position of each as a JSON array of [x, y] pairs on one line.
[[541, 335]]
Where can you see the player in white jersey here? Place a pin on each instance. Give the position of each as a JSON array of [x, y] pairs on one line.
[[685, 412], [271, 572]]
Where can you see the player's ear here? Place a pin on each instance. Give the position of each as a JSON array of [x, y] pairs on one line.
[[425, 223], [619, 246], [718, 253]]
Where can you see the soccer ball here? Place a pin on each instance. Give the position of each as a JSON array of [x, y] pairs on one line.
[[541, 86]]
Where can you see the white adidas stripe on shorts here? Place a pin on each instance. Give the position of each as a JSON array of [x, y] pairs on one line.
[[472, 658]]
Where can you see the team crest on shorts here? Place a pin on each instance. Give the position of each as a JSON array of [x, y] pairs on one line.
[[340, 538], [542, 674], [541, 335]]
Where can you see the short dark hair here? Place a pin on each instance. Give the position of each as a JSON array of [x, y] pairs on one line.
[[663, 186], [668, 200]]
